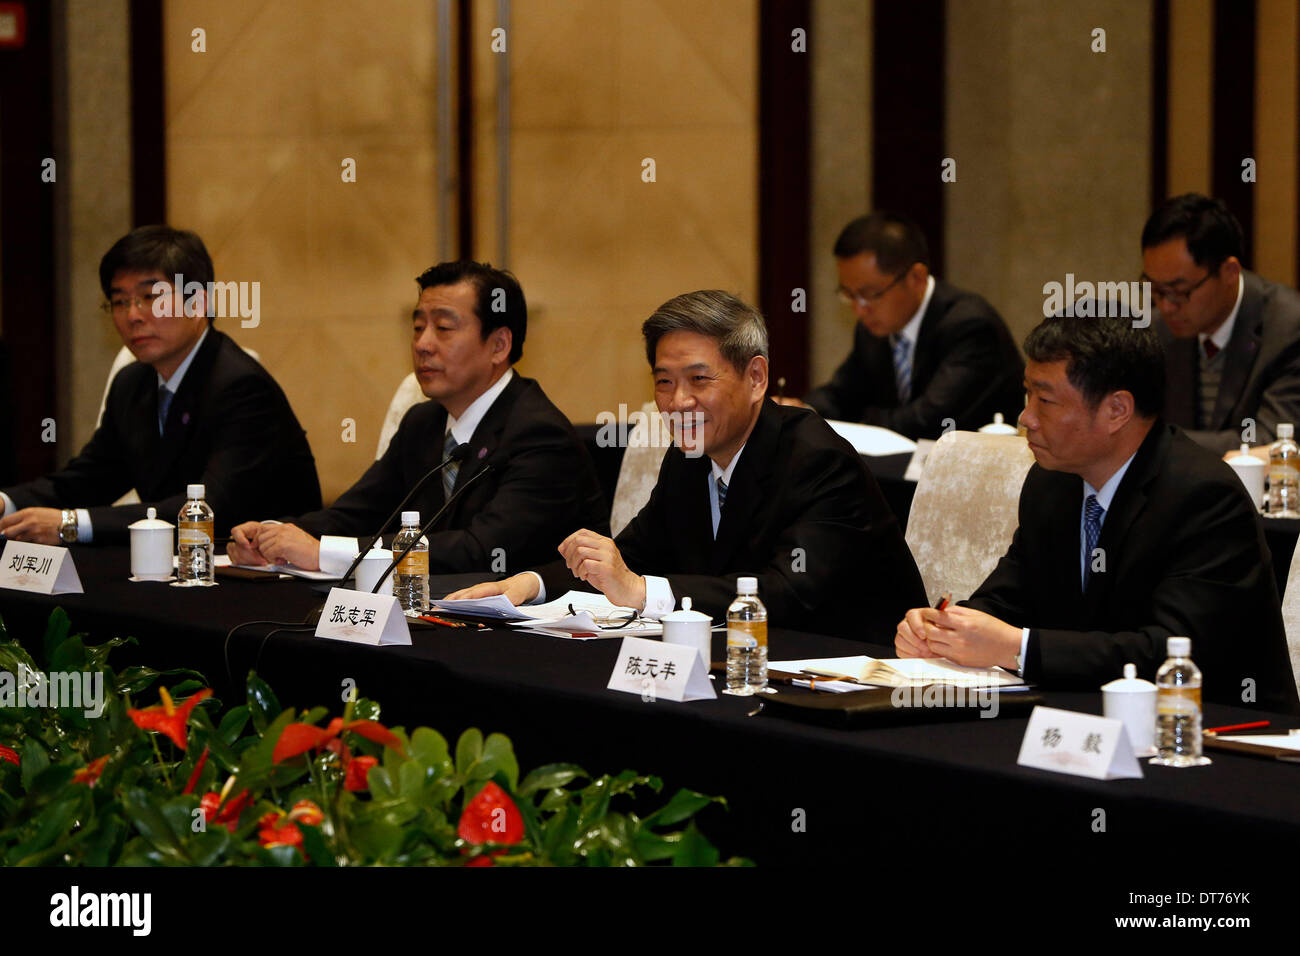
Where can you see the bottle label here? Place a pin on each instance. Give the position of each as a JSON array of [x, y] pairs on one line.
[[1178, 701], [417, 562], [195, 532], [747, 634]]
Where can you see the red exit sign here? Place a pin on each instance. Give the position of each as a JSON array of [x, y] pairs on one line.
[[13, 26]]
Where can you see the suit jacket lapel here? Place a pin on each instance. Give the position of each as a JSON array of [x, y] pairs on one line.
[[185, 414], [690, 516], [486, 440], [1242, 351], [924, 358], [747, 489]]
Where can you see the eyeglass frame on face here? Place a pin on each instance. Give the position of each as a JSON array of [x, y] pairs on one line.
[[856, 296], [1178, 296], [118, 307]]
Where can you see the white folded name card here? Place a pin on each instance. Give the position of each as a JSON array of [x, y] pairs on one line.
[[363, 618], [41, 568], [1081, 744], [657, 670]]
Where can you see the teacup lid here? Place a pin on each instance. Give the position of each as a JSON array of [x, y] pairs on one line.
[[1130, 684], [998, 426], [686, 615], [1244, 458], [150, 523], [374, 554]]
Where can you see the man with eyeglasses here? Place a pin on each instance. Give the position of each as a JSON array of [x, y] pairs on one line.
[[194, 407], [1231, 338], [927, 357]]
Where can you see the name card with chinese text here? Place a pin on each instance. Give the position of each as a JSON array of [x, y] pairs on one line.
[[1084, 745], [657, 670], [41, 568], [363, 618]]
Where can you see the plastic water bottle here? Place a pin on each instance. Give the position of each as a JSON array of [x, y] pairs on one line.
[[1178, 708], [195, 539], [1284, 473], [411, 576], [746, 641]]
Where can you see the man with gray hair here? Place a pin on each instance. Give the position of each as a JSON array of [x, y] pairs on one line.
[[748, 488]]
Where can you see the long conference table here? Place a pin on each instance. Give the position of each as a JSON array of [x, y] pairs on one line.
[[947, 795]]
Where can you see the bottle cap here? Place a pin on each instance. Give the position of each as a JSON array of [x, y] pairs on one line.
[[747, 585], [194, 491], [1179, 647], [1286, 430], [410, 517]]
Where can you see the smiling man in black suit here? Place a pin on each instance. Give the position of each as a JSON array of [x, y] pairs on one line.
[[1129, 533], [748, 488], [926, 356], [1232, 338], [468, 329], [193, 408]]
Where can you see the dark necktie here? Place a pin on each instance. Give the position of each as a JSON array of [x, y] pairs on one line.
[[903, 368], [1211, 349], [1092, 513], [164, 403], [722, 493], [452, 470]]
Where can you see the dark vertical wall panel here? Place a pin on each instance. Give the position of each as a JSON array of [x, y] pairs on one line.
[[1234, 109], [907, 121], [148, 138], [1159, 101], [784, 186]]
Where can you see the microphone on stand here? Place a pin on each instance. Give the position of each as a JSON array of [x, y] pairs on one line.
[[458, 454]]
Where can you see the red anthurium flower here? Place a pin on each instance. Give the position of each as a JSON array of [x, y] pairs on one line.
[[198, 769], [10, 755], [168, 718], [358, 773], [299, 738], [491, 817], [90, 773], [227, 816], [280, 829]]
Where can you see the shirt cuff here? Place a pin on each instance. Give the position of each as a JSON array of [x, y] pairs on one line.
[[1024, 649], [9, 503], [659, 598], [85, 533], [541, 589], [336, 553]]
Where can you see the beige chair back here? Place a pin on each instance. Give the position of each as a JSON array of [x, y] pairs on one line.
[[647, 441], [966, 510], [1291, 616], [408, 394]]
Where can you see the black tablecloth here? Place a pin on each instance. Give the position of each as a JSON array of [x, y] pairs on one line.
[[797, 793]]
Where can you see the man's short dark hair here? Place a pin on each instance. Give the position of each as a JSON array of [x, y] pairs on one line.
[[737, 326], [1208, 226], [897, 242], [1104, 355], [160, 249], [500, 299]]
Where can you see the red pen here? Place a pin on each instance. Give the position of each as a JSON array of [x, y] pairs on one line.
[[1219, 730], [944, 601]]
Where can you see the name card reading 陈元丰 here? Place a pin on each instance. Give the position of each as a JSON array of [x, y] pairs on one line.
[[1084, 745], [41, 568], [656, 670], [363, 618]]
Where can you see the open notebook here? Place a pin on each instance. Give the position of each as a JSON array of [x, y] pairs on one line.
[[896, 672]]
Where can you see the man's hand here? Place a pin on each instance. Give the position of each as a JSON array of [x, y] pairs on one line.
[[520, 589], [39, 525], [595, 559], [288, 544], [972, 638], [242, 548], [910, 641]]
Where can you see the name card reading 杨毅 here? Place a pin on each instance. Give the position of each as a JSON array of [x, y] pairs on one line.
[[656, 670], [1084, 745], [363, 618], [40, 568]]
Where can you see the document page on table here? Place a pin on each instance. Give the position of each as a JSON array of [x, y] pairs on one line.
[[223, 561], [916, 668], [553, 618]]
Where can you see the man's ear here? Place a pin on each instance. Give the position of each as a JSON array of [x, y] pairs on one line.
[[502, 339], [1118, 407], [756, 374], [1230, 269]]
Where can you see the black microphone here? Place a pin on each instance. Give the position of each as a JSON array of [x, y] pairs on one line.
[[458, 454], [432, 521]]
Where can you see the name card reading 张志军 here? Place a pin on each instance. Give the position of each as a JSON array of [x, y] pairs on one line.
[[1084, 745], [26, 566], [657, 670], [363, 618]]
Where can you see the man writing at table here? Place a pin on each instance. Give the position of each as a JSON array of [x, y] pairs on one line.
[[1129, 533], [750, 487], [194, 407], [468, 329]]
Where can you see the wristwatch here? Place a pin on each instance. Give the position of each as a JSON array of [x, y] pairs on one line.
[[68, 526]]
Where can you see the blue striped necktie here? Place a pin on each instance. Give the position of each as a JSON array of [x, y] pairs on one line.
[[453, 469], [722, 492], [164, 403], [1092, 513], [903, 367]]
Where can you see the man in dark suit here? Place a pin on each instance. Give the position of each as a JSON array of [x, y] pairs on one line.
[[194, 407], [1232, 339], [1129, 533], [748, 488], [527, 480], [927, 357]]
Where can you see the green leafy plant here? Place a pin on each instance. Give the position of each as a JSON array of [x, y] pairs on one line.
[[186, 782]]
